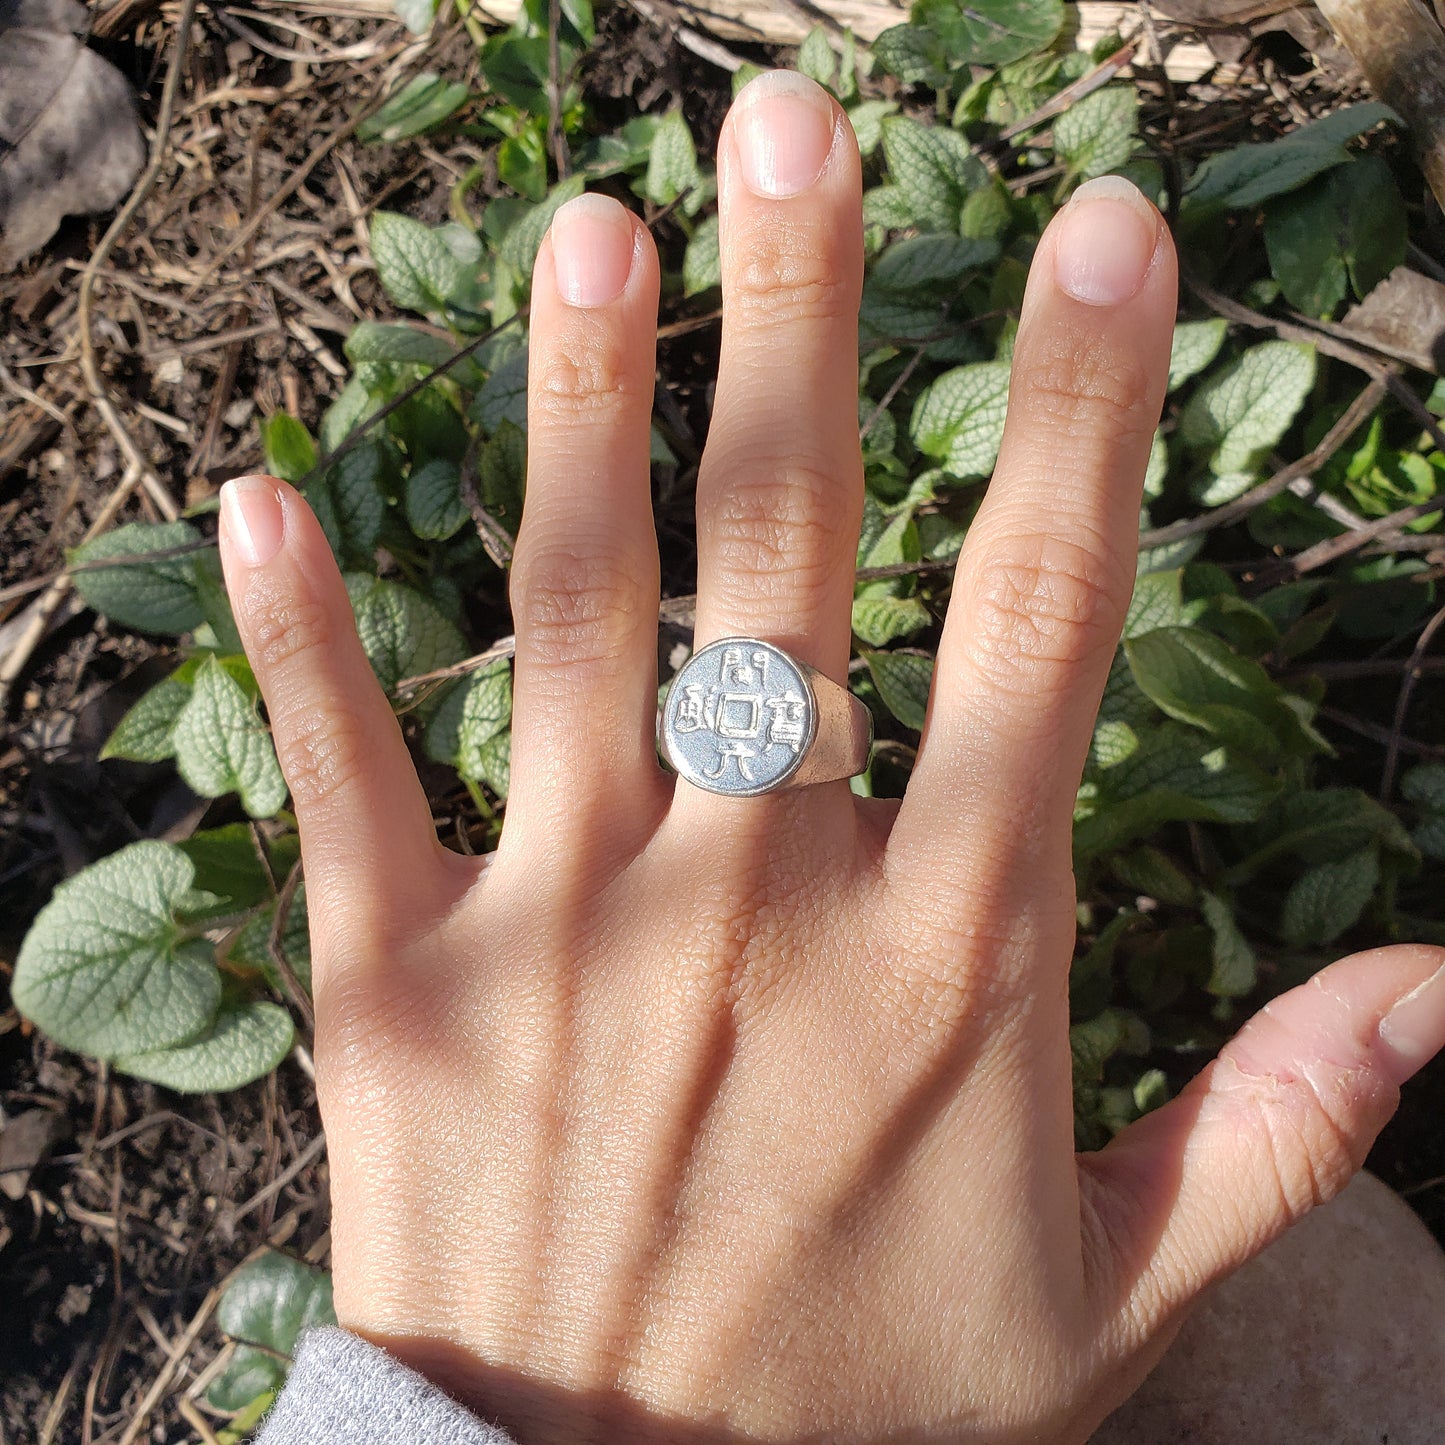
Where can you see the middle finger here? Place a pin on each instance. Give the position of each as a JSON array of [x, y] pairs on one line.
[[780, 490]]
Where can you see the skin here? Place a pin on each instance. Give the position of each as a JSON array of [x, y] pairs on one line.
[[694, 1119]]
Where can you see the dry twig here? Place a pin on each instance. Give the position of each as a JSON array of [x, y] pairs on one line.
[[1413, 673]]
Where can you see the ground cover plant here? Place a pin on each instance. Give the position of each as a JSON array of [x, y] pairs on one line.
[[1231, 836]]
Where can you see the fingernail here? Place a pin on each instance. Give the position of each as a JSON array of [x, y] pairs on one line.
[[252, 520], [784, 125], [1107, 239], [592, 243], [1413, 1032]]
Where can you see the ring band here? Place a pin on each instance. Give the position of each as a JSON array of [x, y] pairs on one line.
[[742, 718]]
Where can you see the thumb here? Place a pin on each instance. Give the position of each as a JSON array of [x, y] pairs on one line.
[[1277, 1124]]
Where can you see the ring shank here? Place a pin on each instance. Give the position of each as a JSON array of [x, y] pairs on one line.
[[844, 738]]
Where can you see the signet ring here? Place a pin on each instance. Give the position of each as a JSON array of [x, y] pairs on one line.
[[742, 718]]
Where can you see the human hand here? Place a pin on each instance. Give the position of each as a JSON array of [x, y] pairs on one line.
[[690, 1118]]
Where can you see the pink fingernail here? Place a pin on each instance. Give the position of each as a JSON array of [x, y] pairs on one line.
[[1108, 234], [1413, 1032], [252, 520], [592, 244], [784, 124]]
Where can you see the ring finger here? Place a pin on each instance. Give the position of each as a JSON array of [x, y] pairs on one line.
[[780, 491]]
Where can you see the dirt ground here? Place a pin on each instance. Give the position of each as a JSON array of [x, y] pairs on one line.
[[141, 1200]]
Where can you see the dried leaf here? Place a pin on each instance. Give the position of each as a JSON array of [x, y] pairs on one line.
[[1404, 316], [69, 139]]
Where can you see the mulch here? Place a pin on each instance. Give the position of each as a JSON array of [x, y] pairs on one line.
[[220, 305]]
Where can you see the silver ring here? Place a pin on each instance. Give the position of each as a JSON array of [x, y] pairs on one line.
[[742, 718]]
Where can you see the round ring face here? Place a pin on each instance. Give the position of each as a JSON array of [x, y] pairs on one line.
[[740, 717]]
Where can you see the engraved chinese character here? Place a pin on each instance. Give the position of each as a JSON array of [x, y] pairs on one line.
[[739, 672], [787, 725], [694, 711], [735, 752], [739, 715]]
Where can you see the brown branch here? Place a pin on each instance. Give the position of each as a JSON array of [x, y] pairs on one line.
[[276, 946], [1357, 356], [1399, 46], [1358, 412], [556, 139], [89, 366], [1334, 548], [1412, 676]]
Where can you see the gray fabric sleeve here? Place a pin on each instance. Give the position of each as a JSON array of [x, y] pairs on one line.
[[344, 1391]]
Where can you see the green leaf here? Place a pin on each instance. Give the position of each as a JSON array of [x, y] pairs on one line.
[[228, 867], [502, 475], [1240, 413], [1175, 775], [1327, 900], [423, 103], [416, 15], [524, 238], [1235, 968], [1157, 602], [106, 968], [914, 54], [395, 343], [1424, 785], [1195, 345], [215, 604], [222, 746], [1197, 678], [503, 397], [887, 206], [672, 165], [151, 596], [269, 1303], [881, 620], [1094, 1042], [248, 1039], [1099, 133], [1322, 825], [991, 32], [417, 268], [434, 505], [931, 262], [402, 633], [472, 716], [959, 419], [867, 119], [1249, 175], [702, 261], [935, 167], [144, 733], [903, 680], [816, 59], [287, 446], [1347, 228], [251, 947], [349, 503]]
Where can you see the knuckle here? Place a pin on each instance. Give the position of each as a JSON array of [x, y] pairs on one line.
[[323, 755], [575, 606], [1043, 605], [782, 526], [1079, 394], [287, 629], [786, 275], [580, 378], [1310, 1147]]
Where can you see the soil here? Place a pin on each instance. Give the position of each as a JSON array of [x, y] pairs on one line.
[[140, 1200]]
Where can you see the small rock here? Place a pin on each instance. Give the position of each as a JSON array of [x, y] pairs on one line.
[[1335, 1335]]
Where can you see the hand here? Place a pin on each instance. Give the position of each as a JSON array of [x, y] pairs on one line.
[[688, 1118]]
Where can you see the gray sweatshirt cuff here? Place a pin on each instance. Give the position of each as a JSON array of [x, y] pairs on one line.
[[344, 1391]]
